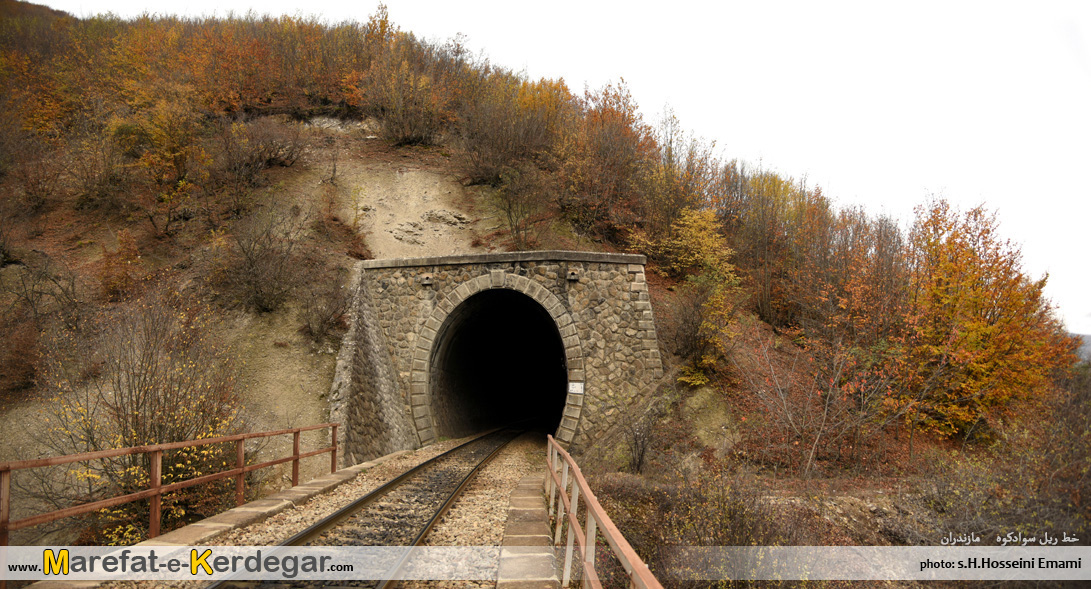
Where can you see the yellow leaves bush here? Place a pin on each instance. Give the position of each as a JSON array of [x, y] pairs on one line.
[[693, 244], [699, 324], [151, 374]]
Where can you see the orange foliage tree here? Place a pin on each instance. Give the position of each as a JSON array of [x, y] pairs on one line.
[[606, 162], [980, 334]]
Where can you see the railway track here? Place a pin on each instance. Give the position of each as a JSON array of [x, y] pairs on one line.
[[402, 511]]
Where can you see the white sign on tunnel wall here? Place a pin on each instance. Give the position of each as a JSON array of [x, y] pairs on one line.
[[575, 388]]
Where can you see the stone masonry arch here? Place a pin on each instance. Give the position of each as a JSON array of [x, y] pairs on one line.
[[383, 390], [421, 390]]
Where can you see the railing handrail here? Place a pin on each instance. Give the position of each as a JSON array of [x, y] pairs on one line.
[[115, 452], [638, 572], [155, 488]]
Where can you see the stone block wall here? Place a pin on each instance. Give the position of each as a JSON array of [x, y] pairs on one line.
[[599, 303]]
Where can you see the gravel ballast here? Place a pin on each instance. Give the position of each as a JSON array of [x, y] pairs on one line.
[[477, 518]]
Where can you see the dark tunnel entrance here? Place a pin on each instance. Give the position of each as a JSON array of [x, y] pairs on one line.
[[498, 359]]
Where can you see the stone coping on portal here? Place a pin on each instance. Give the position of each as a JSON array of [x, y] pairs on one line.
[[530, 256]]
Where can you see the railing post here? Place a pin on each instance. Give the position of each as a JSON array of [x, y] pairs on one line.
[[240, 479], [333, 453], [560, 505], [574, 502], [5, 505], [549, 462], [295, 458], [589, 540], [550, 485], [156, 476]]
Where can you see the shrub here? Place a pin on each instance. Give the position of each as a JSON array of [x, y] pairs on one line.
[[1035, 480], [511, 121], [173, 125], [524, 200], [7, 229], [409, 94], [324, 309], [700, 321], [639, 437], [37, 170], [18, 353], [265, 269], [150, 374], [680, 316], [715, 507], [97, 171], [10, 134], [42, 288], [605, 165], [243, 150]]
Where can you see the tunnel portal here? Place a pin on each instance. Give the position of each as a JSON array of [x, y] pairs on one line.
[[450, 345], [498, 359]]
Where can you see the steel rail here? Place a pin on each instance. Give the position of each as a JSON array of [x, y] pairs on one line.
[[338, 517], [443, 509]]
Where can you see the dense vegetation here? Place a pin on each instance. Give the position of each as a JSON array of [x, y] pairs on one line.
[[878, 338]]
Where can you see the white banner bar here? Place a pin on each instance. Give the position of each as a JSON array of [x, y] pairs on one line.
[[271, 563], [876, 563], [251, 563]]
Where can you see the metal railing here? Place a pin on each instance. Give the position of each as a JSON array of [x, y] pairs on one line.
[[564, 474], [155, 488]]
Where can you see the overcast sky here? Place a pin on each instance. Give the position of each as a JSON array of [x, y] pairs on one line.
[[879, 104]]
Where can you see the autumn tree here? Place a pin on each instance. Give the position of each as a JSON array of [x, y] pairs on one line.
[[682, 176], [510, 120], [523, 198], [410, 94], [727, 197], [844, 282], [606, 162], [702, 317], [762, 241], [980, 333]]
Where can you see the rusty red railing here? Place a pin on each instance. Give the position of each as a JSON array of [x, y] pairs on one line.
[[155, 488], [564, 474]]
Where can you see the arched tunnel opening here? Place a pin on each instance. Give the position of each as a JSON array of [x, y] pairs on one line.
[[498, 359]]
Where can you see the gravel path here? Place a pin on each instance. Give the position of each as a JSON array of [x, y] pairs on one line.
[[477, 518]]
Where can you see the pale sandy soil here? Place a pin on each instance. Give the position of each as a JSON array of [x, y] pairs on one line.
[[404, 208], [407, 211], [406, 203]]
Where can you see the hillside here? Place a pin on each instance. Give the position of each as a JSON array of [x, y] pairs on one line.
[[384, 203], [198, 189], [10, 9]]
